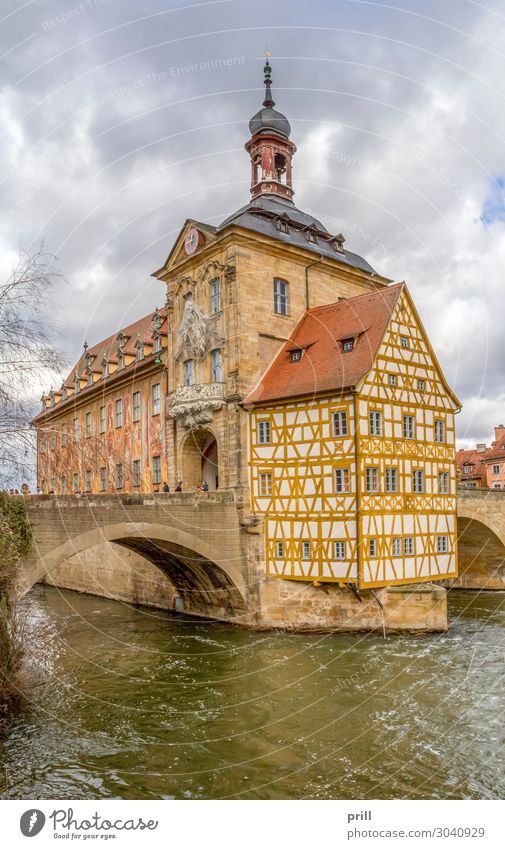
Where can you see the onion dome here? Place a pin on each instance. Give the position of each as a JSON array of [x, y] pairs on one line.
[[268, 119]]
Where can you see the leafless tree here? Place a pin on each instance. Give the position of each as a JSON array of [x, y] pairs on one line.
[[27, 353]]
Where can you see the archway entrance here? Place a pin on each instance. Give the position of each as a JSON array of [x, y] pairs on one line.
[[200, 460]]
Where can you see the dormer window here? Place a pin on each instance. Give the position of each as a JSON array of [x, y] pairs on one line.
[[89, 378], [311, 236], [120, 360], [139, 347], [282, 225], [347, 345], [156, 321], [338, 243], [466, 469], [156, 344], [105, 368], [77, 383], [64, 393], [296, 355]]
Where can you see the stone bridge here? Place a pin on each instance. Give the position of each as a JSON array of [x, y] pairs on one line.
[[185, 551], [202, 554], [481, 539]]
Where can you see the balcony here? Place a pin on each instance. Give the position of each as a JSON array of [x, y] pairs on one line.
[[194, 406]]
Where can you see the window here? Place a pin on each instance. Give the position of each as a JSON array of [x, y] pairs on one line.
[[347, 345], [157, 469], [391, 480], [339, 550], [392, 379], [296, 355], [102, 420], [397, 547], [216, 366], [136, 406], [420, 385], [103, 478], [105, 368], [442, 545], [76, 429], [64, 484], [156, 344], [87, 480], [372, 547], [120, 360], [443, 483], [279, 550], [215, 295], [466, 469], [439, 431], [63, 434], [305, 549], [119, 476], [136, 473], [340, 423], [375, 423], [75, 482], [341, 480], [265, 483], [88, 424], [52, 440], [418, 480], [408, 427], [188, 373], [496, 470], [404, 342], [408, 546], [372, 480], [155, 396], [140, 350], [264, 433], [281, 290], [119, 412], [282, 225]]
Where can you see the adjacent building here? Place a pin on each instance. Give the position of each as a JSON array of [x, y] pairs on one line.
[[483, 466]]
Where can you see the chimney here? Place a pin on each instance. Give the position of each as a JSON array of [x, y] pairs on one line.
[[480, 447], [499, 434]]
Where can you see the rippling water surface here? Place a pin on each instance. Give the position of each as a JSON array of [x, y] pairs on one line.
[[139, 704]]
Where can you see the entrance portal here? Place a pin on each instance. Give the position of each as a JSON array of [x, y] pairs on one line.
[[200, 460]]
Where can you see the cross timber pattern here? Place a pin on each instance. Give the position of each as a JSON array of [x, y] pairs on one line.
[[294, 480]]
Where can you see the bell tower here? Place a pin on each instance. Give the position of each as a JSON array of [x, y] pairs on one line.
[[270, 149]]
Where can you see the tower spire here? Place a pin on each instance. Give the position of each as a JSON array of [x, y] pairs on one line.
[[267, 70], [269, 147]]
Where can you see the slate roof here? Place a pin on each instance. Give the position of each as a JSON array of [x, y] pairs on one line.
[[262, 214], [324, 366]]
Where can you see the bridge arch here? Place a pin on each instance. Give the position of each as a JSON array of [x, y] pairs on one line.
[[481, 543], [208, 584]]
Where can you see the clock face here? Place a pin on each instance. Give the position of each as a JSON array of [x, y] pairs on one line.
[[191, 241]]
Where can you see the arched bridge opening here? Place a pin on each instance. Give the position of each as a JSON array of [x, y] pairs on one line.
[[481, 555]]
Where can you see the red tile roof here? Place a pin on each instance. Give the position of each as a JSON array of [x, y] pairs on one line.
[[320, 333], [474, 459]]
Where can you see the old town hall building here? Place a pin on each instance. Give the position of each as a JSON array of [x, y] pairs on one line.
[[283, 368]]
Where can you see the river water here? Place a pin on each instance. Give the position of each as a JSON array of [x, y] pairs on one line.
[[135, 703]]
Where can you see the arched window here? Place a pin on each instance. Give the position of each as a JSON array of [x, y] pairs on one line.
[[280, 167]]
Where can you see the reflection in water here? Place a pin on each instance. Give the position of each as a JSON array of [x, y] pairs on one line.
[[140, 704]]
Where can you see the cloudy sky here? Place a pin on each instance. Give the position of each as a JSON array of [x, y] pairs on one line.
[[120, 119]]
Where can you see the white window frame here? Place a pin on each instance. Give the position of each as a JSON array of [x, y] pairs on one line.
[[342, 480], [392, 479], [265, 484], [215, 367], [392, 379], [189, 372], [281, 296], [421, 385], [372, 547], [279, 550], [264, 432], [409, 547], [103, 419], [89, 424], [215, 295], [409, 427], [340, 423], [397, 547], [136, 406], [372, 479], [339, 549], [404, 341], [496, 469], [439, 430], [156, 469], [119, 412], [443, 483], [306, 549], [418, 481], [442, 544], [156, 399], [375, 422]]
